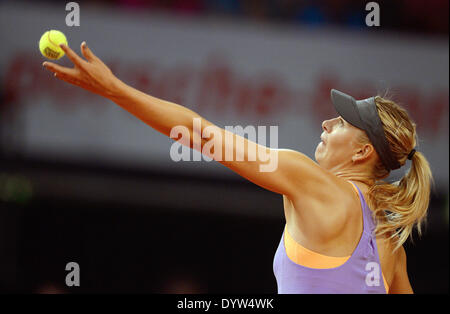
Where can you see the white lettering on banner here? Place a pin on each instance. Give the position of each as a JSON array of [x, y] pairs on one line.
[[427, 110]]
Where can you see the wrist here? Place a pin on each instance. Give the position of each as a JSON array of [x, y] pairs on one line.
[[117, 91]]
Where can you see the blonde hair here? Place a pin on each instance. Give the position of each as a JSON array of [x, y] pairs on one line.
[[400, 206]]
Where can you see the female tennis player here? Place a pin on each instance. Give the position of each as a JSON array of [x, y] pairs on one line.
[[345, 226]]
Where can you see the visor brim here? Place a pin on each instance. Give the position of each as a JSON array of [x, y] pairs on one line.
[[347, 108]]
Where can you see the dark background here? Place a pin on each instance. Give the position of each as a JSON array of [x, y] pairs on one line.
[[127, 247]]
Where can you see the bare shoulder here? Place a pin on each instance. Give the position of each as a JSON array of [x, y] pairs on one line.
[[313, 182], [321, 205], [327, 209]]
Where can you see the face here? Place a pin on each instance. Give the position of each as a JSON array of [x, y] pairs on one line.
[[338, 144]]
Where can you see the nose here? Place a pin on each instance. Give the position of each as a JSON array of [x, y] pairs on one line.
[[326, 126]]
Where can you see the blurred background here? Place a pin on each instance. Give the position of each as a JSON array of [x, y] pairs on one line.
[[83, 181]]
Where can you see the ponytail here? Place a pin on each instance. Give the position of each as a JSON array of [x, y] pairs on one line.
[[399, 207]]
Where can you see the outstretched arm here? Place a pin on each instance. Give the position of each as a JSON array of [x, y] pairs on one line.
[[294, 171]]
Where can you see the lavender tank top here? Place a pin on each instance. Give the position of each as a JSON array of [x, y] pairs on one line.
[[361, 273]]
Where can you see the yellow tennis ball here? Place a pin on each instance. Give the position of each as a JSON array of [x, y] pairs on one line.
[[49, 44]]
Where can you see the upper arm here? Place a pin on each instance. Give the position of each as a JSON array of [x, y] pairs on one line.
[[400, 283], [282, 171]]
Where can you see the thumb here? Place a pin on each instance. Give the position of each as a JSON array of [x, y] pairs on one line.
[[87, 53]]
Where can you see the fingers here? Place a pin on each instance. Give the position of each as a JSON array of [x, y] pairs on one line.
[[74, 81], [76, 59], [87, 53], [67, 79], [63, 73], [56, 68]]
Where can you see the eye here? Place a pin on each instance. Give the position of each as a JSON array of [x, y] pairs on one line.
[[341, 121]]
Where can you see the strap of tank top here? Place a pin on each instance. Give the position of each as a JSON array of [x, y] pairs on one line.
[[367, 213]]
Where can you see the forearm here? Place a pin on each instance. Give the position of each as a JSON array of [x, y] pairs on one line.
[[159, 114]]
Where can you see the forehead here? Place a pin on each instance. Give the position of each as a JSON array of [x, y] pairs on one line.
[[350, 126]]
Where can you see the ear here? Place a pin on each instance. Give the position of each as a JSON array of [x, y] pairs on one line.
[[363, 153]]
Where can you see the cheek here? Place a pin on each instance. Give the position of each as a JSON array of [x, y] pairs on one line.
[[334, 149], [340, 148], [339, 141]]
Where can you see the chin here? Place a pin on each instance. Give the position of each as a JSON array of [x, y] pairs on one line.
[[318, 153], [316, 157]]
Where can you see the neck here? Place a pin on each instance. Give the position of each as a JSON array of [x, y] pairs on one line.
[[356, 174]]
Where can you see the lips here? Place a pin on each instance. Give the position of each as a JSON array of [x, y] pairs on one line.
[[323, 139]]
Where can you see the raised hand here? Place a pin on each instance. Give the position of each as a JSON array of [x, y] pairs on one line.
[[91, 74]]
